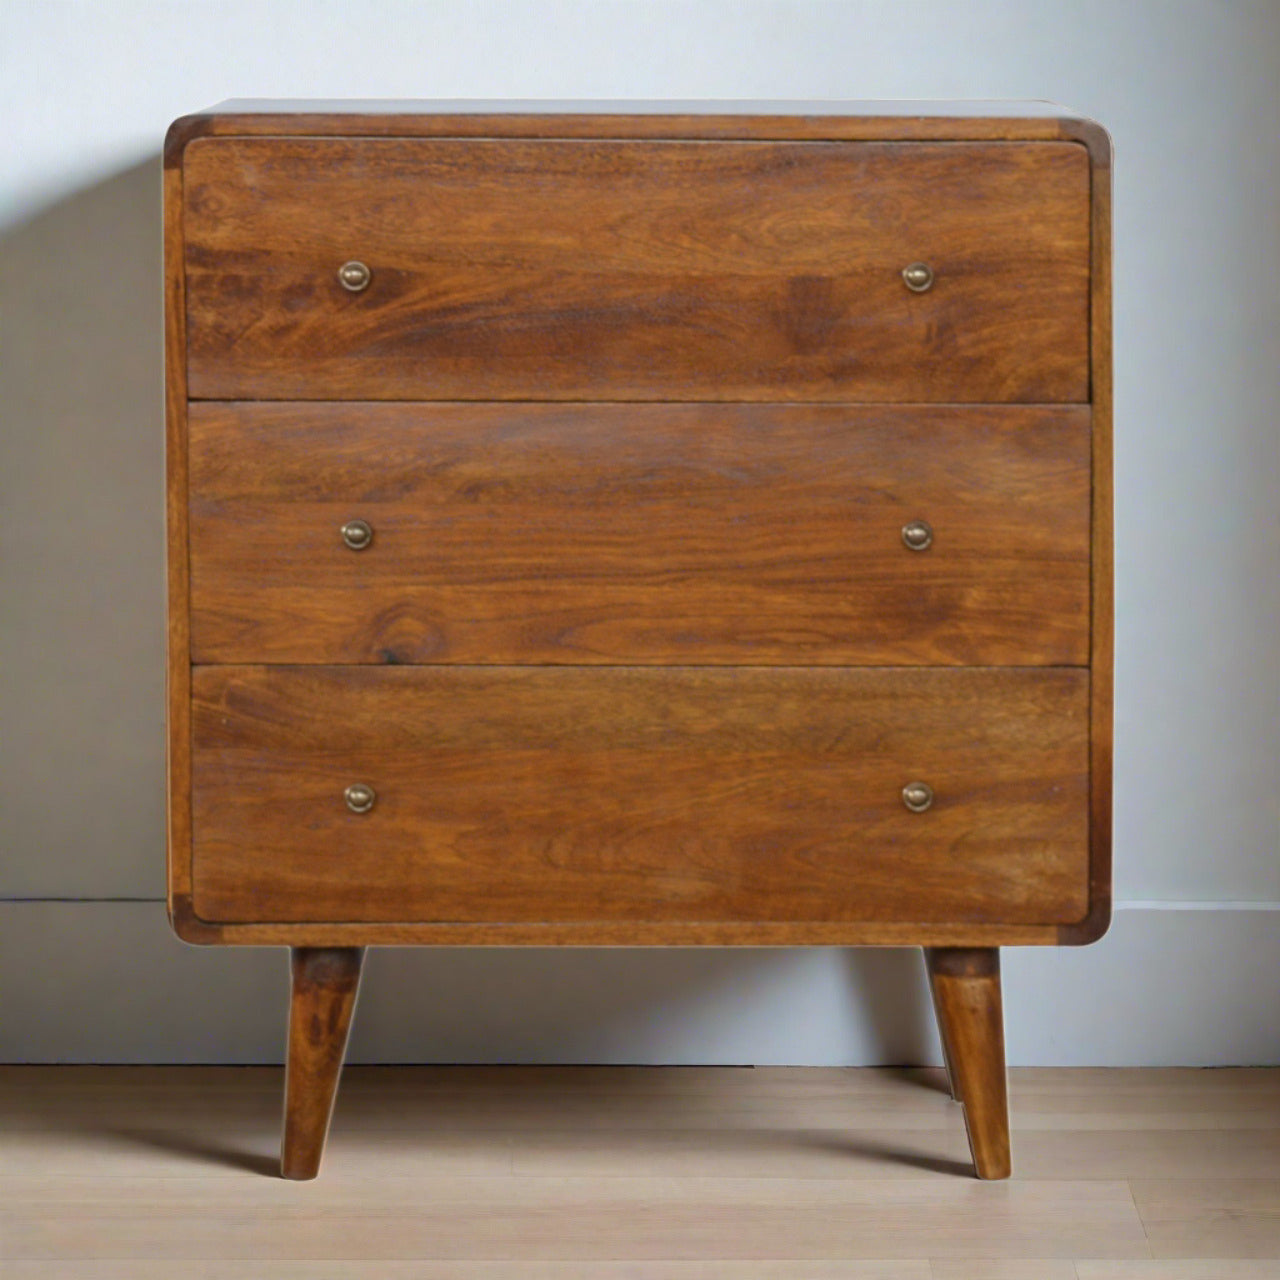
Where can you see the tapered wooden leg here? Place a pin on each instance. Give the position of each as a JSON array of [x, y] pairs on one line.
[[953, 1084], [325, 980], [966, 996]]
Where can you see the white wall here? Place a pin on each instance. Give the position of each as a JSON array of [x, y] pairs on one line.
[[1189, 92]]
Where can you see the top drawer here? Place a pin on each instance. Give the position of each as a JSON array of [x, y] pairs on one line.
[[636, 270]]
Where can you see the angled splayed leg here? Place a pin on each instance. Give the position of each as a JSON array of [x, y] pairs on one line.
[[325, 981], [966, 995]]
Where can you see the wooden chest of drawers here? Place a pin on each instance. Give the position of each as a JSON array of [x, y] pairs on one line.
[[632, 526]]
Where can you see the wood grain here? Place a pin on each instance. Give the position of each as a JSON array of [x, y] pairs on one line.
[[1166, 1269], [1099, 1123], [578, 269], [526, 794], [966, 995], [648, 1221], [818, 123], [819, 120], [639, 533], [348, 1269], [1222, 1218], [192, 927], [118, 1162], [1002, 1269], [1102, 621], [324, 984], [177, 577]]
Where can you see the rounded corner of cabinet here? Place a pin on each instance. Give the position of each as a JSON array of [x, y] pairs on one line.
[[183, 131], [188, 926], [1092, 928]]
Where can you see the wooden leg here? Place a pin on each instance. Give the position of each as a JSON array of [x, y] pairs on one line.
[[966, 995], [953, 1082], [325, 980]]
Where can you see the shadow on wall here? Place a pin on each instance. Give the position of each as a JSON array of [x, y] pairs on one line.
[[82, 755], [682, 1005], [81, 579]]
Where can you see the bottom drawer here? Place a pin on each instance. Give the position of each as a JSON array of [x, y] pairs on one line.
[[691, 794]]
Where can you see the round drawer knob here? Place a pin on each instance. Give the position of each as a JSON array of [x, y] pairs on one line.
[[918, 276], [917, 536], [357, 534], [359, 797], [917, 796], [354, 276]]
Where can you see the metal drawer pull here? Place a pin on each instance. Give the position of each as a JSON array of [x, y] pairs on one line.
[[359, 797], [918, 276], [917, 796], [354, 276], [357, 534], [918, 535]]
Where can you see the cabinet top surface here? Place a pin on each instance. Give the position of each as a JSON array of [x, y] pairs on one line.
[[999, 108], [696, 119]]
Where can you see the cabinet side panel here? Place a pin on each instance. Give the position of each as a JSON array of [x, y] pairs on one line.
[[178, 674], [1102, 623]]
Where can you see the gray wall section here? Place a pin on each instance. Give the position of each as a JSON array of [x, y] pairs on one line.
[[82, 569], [1190, 94], [107, 982]]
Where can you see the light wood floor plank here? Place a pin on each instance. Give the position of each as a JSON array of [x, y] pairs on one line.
[[638, 1174], [202, 1147], [1181, 1153], [888, 1127], [568, 1218], [187, 1269], [1211, 1218], [1154, 1098], [1004, 1269], [467, 1099], [1054, 1155], [767, 1153], [1167, 1269], [646, 1097]]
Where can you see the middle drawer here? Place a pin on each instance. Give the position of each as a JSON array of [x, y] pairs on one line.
[[637, 533]]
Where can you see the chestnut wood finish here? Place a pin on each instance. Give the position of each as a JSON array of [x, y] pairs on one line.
[[324, 986], [637, 404], [1102, 593], [698, 794], [966, 994], [630, 270], [607, 533]]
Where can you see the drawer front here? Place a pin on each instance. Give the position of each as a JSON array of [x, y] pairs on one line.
[[759, 534], [639, 794], [633, 270]]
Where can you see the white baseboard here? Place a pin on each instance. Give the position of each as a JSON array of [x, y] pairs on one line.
[[1188, 984]]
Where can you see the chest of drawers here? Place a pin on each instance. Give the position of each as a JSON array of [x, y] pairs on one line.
[[638, 526]]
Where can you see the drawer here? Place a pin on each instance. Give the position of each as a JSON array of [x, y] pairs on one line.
[[702, 794], [641, 533], [636, 270]]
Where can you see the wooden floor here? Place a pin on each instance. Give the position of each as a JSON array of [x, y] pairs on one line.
[[511, 1173]]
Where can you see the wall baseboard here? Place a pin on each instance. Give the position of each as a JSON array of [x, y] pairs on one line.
[[1172, 984]]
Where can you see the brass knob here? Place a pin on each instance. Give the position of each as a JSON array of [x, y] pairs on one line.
[[357, 534], [354, 276], [359, 797], [917, 796], [917, 535], [918, 276]]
